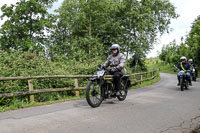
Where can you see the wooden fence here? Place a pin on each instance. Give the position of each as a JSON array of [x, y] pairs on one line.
[[135, 78]]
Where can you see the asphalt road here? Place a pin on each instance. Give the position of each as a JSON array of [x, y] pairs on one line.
[[159, 108]]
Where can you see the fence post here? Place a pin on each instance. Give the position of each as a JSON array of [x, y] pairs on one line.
[[30, 86], [141, 77], [76, 86]]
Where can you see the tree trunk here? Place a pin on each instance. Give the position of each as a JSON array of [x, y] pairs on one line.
[[90, 33]]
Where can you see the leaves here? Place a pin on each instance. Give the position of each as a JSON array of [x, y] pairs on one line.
[[25, 26]]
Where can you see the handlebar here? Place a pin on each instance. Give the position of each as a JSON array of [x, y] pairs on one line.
[[176, 68]]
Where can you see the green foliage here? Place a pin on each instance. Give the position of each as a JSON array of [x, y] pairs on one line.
[[141, 22], [172, 52], [87, 26], [94, 25], [85, 29], [25, 26], [159, 65], [19, 63], [75, 40], [137, 64], [193, 41]]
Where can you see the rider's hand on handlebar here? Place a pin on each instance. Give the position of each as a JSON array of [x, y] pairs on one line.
[[101, 66], [113, 69]]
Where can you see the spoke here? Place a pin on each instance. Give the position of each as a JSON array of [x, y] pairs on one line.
[[95, 98]]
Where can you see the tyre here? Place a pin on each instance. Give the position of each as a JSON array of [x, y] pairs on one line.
[[123, 91], [94, 93], [194, 77], [181, 84]]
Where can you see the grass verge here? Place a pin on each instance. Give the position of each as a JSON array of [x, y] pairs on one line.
[[23, 104], [161, 66], [146, 83]]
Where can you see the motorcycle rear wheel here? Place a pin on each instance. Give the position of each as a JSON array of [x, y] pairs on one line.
[[194, 77], [123, 92]]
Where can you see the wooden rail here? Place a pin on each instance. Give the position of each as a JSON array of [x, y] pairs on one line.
[[76, 87]]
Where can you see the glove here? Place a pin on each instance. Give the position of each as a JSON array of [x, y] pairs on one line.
[[101, 66], [113, 69]]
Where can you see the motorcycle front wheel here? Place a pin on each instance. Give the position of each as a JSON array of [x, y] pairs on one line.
[[186, 84], [181, 83], [94, 94]]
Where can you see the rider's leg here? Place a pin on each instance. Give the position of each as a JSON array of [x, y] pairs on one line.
[[117, 76], [178, 77], [189, 77]]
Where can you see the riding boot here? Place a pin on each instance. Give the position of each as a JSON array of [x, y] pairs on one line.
[[178, 83], [118, 88], [190, 83]]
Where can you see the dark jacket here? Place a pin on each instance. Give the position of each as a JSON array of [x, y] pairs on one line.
[[186, 66], [193, 65]]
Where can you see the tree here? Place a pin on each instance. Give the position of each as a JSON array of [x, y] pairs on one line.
[[193, 41], [172, 52], [142, 21], [26, 25], [87, 26], [131, 23]]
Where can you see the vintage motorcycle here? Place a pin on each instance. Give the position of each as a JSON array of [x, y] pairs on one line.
[[101, 87], [193, 74], [184, 83]]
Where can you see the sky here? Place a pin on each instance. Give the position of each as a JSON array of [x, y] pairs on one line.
[[187, 9]]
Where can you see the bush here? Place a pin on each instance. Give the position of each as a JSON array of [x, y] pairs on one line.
[[20, 63]]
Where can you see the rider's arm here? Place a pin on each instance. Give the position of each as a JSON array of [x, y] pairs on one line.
[[107, 63], [122, 63], [190, 66], [179, 66]]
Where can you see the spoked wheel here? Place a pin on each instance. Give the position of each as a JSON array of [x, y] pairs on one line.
[[181, 84], [94, 94], [123, 92]]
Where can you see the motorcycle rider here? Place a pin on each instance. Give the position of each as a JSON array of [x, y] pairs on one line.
[[193, 66], [185, 66], [116, 61]]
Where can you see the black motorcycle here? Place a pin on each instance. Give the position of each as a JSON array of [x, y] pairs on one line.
[[184, 83], [101, 87], [193, 74]]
